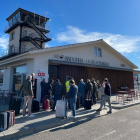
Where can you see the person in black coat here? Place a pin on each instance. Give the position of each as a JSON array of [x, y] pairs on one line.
[[49, 89], [107, 96], [57, 92], [42, 84]]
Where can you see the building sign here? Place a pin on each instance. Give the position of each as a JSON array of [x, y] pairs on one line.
[[80, 60], [41, 74]]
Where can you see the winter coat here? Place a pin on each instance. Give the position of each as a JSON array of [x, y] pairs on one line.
[[27, 86], [72, 92], [89, 87], [95, 86], [81, 87], [57, 89]]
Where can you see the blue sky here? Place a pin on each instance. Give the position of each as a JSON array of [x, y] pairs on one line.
[[75, 21]]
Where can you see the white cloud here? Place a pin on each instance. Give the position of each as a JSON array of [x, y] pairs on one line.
[[4, 41], [122, 43]]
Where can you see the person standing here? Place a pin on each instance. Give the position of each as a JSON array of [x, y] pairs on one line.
[[28, 95], [98, 84], [81, 91], [42, 84], [95, 88], [68, 88], [72, 95], [101, 89], [89, 88], [107, 96], [49, 89], [57, 92], [33, 84]]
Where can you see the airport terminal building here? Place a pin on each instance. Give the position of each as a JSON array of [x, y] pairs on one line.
[[26, 54]]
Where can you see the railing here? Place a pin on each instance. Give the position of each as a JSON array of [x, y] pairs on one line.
[[18, 20], [46, 27], [30, 34], [11, 51], [15, 50], [34, 35]]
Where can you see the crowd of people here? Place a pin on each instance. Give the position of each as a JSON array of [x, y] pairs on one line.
[[54, 90]]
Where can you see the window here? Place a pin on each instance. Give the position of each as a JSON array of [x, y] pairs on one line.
[[12, 35], [19, 75], [97, 52], [1, 76], [11, 50]]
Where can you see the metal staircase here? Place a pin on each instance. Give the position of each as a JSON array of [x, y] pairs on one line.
[[42, 35], [28, 38]]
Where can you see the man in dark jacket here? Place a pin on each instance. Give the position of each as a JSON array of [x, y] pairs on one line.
[[57, 92], [89, 89], [43, 85], [72, 95], [28, 95], [107, 96], [95, 88], [81, 91], [49, 89]]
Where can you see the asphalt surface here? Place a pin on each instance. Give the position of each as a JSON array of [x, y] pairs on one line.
[[122, 125]]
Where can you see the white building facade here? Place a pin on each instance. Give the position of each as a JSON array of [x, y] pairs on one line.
[[95, 59]]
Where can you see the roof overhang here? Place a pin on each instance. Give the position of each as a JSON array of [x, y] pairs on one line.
[[15, 59], [51, 61]]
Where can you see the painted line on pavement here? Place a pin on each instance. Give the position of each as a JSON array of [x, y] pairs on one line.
[[110, 133]]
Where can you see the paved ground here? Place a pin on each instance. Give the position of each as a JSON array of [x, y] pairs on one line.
[[122, 125], [46, 119]]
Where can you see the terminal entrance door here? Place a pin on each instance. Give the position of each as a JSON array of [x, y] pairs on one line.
[[54, 72]]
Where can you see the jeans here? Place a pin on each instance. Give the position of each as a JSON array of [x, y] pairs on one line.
[[106, 98], [81, 95], [102, 97], [42, 94], [55, 100], [73, 105], [94, 97]]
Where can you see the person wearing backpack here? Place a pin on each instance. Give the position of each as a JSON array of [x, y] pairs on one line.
[[95, 88]]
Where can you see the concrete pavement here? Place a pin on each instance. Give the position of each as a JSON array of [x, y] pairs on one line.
[[46, 119], [121, 125]]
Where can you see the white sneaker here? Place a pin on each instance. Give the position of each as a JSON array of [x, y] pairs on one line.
[[105, 108], [24, 116], [72, 117], [31, 115]]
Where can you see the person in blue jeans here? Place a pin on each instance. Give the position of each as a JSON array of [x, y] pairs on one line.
[[57, 92], [72, 95], [81, 91]]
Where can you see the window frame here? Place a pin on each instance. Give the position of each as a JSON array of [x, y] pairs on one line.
[[13, 33], [97, 48]]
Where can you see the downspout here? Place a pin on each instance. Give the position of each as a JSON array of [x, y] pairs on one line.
[[20, 39]]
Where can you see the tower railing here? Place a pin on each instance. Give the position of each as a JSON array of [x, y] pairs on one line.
[[14, 51], [9, 52], [34, 35]]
